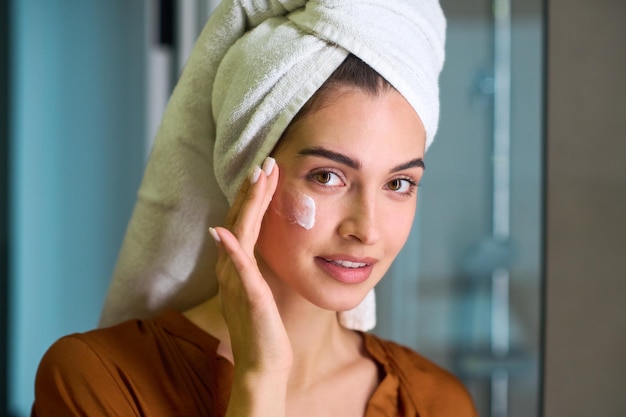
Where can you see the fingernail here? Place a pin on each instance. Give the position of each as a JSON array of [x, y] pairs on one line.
[[268, 165], [214, 234], [254, 176]]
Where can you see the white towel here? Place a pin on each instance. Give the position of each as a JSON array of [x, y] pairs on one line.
[[254, 65]]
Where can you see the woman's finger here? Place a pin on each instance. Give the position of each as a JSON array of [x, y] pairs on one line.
[[233, 212], [246, 214], [272, 172], [248, 223], [249, 288]]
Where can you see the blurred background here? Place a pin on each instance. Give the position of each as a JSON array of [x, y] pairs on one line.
[[466, 289], [465, 292], [82, 88]]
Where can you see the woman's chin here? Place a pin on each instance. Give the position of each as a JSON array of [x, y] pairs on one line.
[[341, 304]]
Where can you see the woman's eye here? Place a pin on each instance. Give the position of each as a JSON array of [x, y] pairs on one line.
[[400, 185], [327, 178]]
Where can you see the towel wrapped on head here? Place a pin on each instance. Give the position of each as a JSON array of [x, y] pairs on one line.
[[254, 66]]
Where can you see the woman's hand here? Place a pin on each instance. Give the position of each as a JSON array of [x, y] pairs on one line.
[[260, 345]]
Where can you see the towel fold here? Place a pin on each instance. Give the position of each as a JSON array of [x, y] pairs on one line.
[[255, 64]]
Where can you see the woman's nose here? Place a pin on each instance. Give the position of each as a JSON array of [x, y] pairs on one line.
[[360, 220]]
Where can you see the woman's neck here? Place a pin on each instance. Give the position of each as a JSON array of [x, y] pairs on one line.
[[320, 344]]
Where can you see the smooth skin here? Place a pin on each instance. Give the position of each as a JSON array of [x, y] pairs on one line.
[[360, 157]]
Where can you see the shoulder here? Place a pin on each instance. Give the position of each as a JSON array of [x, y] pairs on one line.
[[70, 359], [101, 347], [128, 341], [412, 362], [72, 376], [99, 351], [134, 368], [429, 386], [79, 370], [134, 345], [67, 351]]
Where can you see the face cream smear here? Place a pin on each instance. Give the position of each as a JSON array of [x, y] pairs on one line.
[[304, 211], [298, 208]]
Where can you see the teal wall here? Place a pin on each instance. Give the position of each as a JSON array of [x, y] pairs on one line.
[[78, 89]]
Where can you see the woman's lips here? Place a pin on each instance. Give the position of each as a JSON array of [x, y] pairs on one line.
[[347, 270]]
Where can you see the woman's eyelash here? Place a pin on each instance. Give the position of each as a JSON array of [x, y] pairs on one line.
[[316, 176], [414, 182], [410, 180], [329, 178], [410, 184]]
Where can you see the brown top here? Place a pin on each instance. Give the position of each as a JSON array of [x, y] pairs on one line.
[[167, 366]]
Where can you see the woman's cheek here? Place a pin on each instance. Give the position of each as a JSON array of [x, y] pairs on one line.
[[399, 223], [296, 207]]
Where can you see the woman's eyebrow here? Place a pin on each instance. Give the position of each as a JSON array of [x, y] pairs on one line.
[[334, 156], [417, 162], [354, 164]]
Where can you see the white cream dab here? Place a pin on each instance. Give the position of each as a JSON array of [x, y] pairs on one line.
[[298, 208], [304, 211]]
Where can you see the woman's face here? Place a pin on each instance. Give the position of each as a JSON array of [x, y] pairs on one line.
[[346, 197]]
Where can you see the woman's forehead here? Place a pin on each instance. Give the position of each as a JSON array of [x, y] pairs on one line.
[[357, 121]]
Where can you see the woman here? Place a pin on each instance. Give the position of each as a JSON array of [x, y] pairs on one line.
[[309, 234]]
